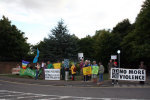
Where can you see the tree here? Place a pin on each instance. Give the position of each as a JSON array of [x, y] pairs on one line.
[[122, 28], [86, 47], [59, 45], [137, 43], [13, 44]]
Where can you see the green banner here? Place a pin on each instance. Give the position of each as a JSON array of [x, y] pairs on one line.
[[95, 69], [28, 72]]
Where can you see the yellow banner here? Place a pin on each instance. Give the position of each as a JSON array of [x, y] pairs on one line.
[[87, 70], [57, 65]]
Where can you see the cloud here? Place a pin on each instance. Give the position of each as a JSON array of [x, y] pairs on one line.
[[82, 17]]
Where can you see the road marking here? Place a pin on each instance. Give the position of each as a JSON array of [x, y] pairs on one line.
[[16, 95]]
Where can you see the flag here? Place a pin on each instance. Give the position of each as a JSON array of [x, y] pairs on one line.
[[24, 64], [36, 57]]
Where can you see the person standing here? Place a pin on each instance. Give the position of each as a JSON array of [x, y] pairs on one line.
[[94, 75], [114, 81], [109, 66], [43, 66], [101, 72], [73, 71], [142, 66], [37, 71], [85, 65], [63, 71], [50, 65], [89, 64]]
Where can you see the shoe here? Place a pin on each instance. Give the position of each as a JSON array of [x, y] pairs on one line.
[[112, 83]]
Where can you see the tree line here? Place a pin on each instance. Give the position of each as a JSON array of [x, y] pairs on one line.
[[133, 39]]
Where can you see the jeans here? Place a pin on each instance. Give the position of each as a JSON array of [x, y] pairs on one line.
[[100, 77], [36, 77]]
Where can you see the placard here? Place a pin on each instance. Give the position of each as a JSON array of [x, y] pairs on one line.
[[15, 70], [128, 74], [113, 57], [52, 74]]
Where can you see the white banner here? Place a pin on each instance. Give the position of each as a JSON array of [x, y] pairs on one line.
[[128, 74], [52, 74], [15, 70]]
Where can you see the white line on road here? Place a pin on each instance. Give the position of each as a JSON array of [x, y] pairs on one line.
[[22, 95]]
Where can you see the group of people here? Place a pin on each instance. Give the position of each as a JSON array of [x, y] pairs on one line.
[[92, 76], [83, 64]]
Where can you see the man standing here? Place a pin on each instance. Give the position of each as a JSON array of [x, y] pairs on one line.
[[109, 66]]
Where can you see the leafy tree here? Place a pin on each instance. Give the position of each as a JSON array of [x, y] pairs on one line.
[[86, 46], [122, 28], [59, 45], [13, 44], [137, 43]]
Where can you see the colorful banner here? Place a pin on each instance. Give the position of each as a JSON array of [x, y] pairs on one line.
[[87, 70], [28, 72], [36, 57], [24, 64], [57, 65], [128, 74], [95, 69]]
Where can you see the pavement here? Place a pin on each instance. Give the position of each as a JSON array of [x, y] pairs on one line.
[[69, 83]]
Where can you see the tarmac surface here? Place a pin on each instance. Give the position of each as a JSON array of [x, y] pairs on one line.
[[69, 83]]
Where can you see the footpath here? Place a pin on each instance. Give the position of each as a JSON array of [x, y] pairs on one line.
[[69, 83]]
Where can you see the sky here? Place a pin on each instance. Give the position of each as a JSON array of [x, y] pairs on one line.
[[83, 17]]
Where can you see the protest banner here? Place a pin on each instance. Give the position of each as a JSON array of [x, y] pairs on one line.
[[95, 69], [57, 65], [128, 74], [28, 72], [24, 64], [87, 70], [52, 74], [15, 70]]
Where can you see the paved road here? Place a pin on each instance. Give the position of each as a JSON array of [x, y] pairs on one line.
[[24, 91]]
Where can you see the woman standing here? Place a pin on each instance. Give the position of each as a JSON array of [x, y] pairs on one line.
[[101, 71]]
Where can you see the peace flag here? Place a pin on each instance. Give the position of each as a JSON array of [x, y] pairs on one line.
[[24, 64], [36, 57], [95, 69], [87, 70]]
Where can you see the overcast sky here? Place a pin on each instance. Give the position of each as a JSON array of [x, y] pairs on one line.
[[83, 17]]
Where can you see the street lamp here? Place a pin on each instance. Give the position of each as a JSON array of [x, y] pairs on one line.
[[119, 57]]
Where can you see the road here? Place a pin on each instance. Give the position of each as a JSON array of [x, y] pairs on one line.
[[24, 91]]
